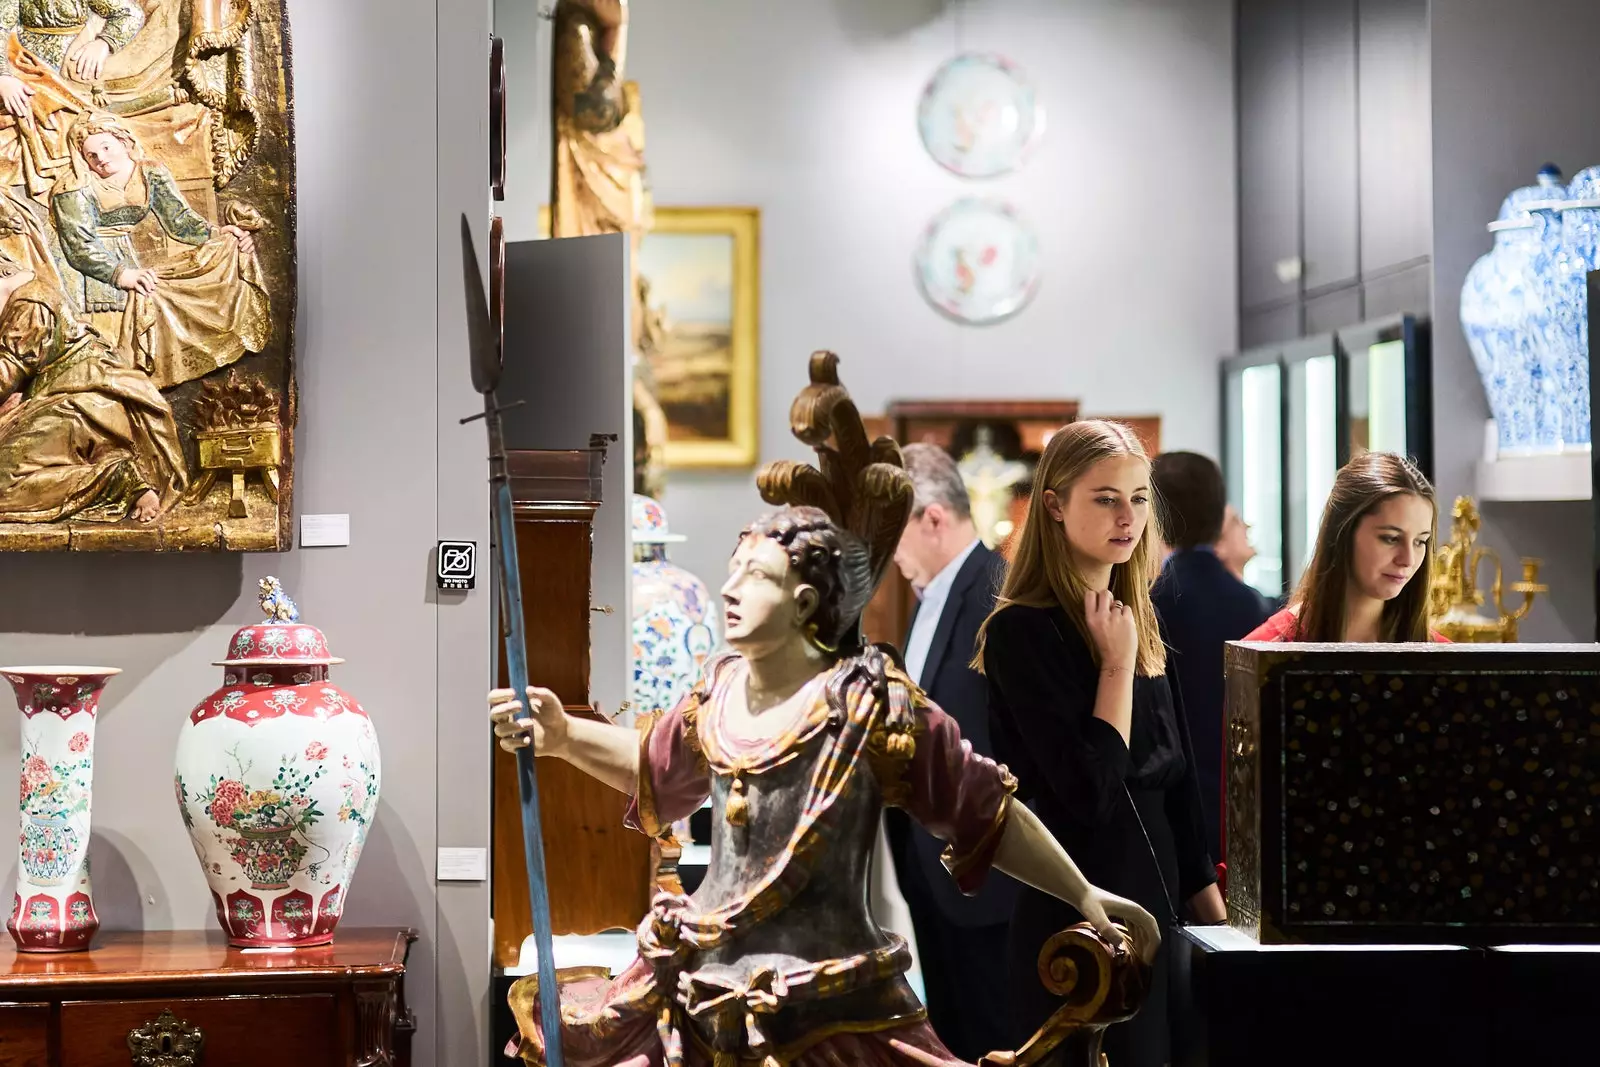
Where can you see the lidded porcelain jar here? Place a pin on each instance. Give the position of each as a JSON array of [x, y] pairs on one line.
[[1580, 254], [277, 778], [675, 619], [1507, 317]]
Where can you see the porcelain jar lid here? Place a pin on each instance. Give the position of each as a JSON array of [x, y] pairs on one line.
[[280, 641], [1517, 211], [650, 523]]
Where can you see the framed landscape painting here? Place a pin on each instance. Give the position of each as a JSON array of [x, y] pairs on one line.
[[699, 276], [700, 271]]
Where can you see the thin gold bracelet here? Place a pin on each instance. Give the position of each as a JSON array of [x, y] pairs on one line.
[[1116, 670]]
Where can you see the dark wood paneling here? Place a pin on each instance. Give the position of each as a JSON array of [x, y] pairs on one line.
[[1269, 326], [1330, 208], [1396, 153], [1335, 164], [1269, 148], [1404, 292], [1330, 311]]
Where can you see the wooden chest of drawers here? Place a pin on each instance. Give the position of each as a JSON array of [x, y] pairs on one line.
[[185, 999]]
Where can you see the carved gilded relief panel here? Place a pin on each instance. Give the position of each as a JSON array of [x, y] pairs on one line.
[[147, 247]]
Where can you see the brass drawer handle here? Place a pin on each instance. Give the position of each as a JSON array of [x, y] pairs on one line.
[[166, 1042]]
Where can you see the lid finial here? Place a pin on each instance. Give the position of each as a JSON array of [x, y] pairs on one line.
[[276, 603]]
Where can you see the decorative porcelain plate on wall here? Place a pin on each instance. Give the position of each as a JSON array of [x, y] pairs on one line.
[[979, 116], [978, 261]]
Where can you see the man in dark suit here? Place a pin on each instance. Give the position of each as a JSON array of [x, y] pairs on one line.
[[961, 940], [1203, 605]]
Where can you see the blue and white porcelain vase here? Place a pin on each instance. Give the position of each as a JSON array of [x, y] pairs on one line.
[[1580, 254], [1508, 318], [675, 620]]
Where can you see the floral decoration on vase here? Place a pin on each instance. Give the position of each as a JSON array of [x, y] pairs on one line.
[[675, 619], [278, 776], [1524, 312], [53, 907]]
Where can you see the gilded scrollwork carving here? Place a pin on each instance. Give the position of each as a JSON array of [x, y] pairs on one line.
[[1098, 985]]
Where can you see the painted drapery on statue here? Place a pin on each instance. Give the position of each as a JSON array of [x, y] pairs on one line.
[[776, 953], [146, 173]]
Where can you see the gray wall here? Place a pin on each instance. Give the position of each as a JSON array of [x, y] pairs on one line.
[[381, 85], [1513, 87], [807, 109]]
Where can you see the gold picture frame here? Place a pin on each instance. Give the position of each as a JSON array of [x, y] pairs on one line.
[[704, 370]]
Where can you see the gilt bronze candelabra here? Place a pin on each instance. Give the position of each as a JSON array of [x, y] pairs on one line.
[[1453, 593]]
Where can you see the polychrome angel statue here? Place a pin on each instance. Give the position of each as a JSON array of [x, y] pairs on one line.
[[800, 735]]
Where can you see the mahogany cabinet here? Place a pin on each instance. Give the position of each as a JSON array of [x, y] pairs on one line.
[[185, 999]]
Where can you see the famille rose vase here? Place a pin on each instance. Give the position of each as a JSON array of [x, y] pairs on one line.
[[674, 615], [277, 779], [53, 909]]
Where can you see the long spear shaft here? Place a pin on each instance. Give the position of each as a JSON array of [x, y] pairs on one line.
[[485, 343]]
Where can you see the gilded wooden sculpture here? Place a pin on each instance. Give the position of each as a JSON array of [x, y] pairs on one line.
[[146, 275], [597, 177]]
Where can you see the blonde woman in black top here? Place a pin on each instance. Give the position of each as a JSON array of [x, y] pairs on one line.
[[1082, 710]]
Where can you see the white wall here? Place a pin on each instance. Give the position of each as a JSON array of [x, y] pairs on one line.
[[1513, 87], [383, 87], [807, 109]]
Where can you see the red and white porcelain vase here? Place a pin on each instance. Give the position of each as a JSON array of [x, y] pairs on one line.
[[277, 778], [53, 909]]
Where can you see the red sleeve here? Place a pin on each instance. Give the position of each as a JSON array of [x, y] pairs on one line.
[[1281, 627], [673, 777], [958, 796]]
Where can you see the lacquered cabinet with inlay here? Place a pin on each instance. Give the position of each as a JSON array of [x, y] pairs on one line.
[[186, 999]]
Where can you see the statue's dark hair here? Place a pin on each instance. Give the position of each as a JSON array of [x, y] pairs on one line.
[[840, 521], [833, 561]]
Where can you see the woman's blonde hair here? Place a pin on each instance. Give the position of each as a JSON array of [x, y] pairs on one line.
[[1042, 572]]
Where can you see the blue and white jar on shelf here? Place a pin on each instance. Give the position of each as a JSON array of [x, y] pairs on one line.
[[1508, 317], [675, 619], [1580, 254]]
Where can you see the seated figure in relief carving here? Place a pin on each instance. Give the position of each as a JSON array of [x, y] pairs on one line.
[[185, 313], [82, 435], [799, 737], [51, 52]]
